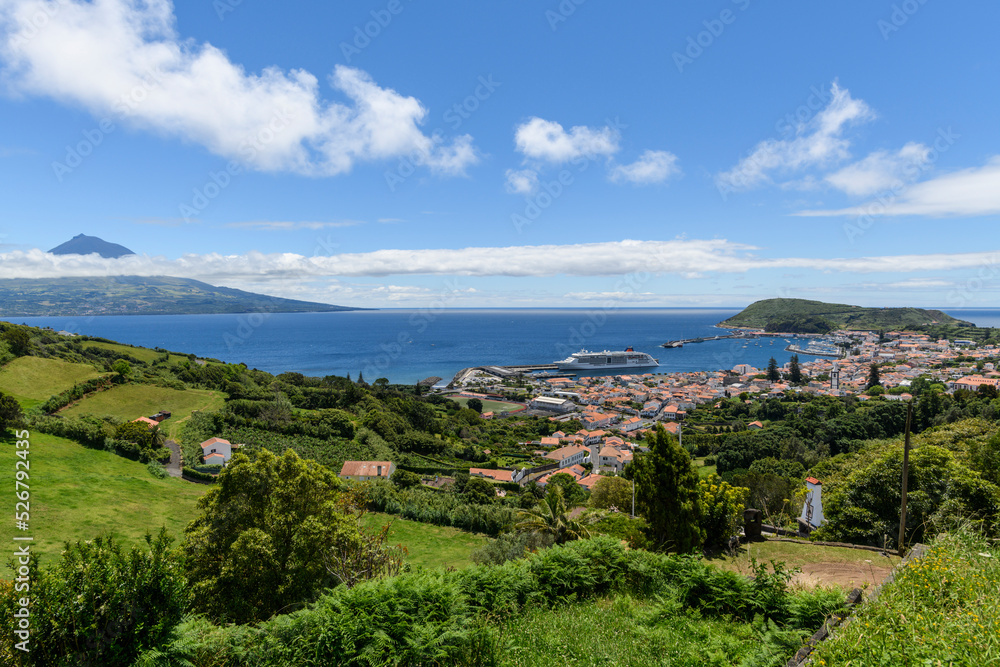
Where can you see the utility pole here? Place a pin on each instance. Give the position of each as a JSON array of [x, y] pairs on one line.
[[906, 474]]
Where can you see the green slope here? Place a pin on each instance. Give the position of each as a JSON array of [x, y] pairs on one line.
[[802, 315], [135, 295], [79, 493]]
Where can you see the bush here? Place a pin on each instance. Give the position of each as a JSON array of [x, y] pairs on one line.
[[510, 546], [157, 470], [197, 475], [441, 617], [101, 605]]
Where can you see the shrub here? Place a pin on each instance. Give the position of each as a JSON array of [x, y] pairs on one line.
[[100, 604], [157, 470]]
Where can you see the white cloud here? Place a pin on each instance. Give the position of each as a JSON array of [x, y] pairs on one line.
[[882, 170], [969, 192], [123, 60], [681, 257], [547, 140], [817, 143], [651, 167], [521, 181]]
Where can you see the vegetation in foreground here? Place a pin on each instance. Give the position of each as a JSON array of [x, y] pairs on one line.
[[484, 615], [942, 609]]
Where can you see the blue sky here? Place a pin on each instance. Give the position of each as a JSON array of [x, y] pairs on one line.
[[401, 153]]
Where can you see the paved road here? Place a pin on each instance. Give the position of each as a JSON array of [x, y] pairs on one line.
[[174, 467]]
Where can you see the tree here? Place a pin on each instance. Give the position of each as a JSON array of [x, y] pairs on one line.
[[123, 368], [138, 433], [722, 510], [404, 479], [666, 493], [10, 412], [475, 404], [550, 517], [874, 380], [266, 528], [479, 491], [772, 371], [573, 494], [794, 372], [18, 340], [368, 556], [612, 492]]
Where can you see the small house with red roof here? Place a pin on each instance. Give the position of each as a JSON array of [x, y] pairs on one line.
[[363, 471], [812, 509]]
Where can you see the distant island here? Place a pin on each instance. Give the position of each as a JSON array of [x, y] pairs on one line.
[[804, 316], [138, 295], [81, 244]]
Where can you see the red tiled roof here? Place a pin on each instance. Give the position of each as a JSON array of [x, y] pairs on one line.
[[365, 468]]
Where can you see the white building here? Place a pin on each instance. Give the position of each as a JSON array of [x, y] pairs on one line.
[[812, 509]]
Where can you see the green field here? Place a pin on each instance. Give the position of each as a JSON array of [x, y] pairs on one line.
[[428, 545], [142, 400], [32, 380], [79, 493], [625, 631], [702, 469], [489, 406], [141, 353]]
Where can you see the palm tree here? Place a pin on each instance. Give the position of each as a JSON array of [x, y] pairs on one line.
[[549, 517]]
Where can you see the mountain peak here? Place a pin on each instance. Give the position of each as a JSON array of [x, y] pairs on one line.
[[81, 244]]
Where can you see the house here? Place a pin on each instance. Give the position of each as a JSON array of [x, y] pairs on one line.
[[755, 426], [568, 456], [215, 458], [613, 459], [362, 471], [589, 481], [495, 475], [812, 509], [632, 424], [219, 446], [151, 423]]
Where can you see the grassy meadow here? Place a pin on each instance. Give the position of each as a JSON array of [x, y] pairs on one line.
[[428, 546], [32, 380], [142, 400], [79, 493]]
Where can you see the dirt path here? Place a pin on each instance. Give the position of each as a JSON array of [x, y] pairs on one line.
[[174, 467], [848, 575]]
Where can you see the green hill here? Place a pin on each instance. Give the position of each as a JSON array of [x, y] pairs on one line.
[[31, 380], [804, 316], [136, 295], [79, 493]]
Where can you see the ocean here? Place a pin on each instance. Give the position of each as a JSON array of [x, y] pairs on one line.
[[406, 346]]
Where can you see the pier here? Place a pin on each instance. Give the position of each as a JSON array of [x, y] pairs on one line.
[[688, 341], [815, 352]]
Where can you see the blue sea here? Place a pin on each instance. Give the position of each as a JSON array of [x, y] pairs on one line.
[[406, 346]]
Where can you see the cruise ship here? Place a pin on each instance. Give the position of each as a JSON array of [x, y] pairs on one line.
[[584, 360]]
